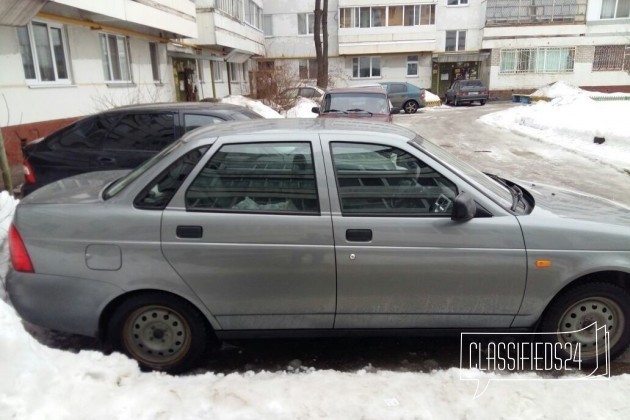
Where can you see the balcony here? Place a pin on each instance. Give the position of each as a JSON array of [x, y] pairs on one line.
[[535, 12]]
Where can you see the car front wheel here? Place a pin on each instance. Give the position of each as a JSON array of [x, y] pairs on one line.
[[575, 317], [162, 332], [410, 107], [482, 102]]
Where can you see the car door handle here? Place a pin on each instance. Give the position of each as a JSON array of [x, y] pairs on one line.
[[106, 161], [189, 232], [359, 235]]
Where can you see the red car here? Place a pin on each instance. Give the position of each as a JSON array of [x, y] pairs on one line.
[[357, 102]]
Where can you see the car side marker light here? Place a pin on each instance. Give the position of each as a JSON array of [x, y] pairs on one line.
[[543, 263]]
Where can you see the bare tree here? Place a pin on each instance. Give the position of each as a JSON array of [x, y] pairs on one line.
[[321, 51]]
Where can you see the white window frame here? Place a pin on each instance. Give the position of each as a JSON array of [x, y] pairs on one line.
[[307, 19], [35, 59], [615, 11], [519, 66], [457, 32], [416, 11], [217, 71], [371, 76], [456, 3], [252, 14], [411, 61], [109, 58], [306, 62]]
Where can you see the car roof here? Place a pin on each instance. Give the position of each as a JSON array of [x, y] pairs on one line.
[[161, 106], [357, 89], [299, 125]]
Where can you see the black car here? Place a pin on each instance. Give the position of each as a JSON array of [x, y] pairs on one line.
[[467, 91], [121, 138]]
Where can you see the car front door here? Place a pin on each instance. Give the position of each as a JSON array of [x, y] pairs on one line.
[[250, 232], [401, 261]]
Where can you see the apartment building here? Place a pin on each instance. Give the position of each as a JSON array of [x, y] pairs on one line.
[[536, 42], [509, 44], [75, 57], [222, 56]]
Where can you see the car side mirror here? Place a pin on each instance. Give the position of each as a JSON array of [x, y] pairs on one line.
[[315, 110], [394, 110], [464, 207]]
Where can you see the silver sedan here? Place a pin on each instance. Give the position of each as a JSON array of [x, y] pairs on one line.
[[314, 227]]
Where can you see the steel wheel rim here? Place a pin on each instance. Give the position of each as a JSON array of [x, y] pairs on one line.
[[157, 335], [579, 316], [410, 107]]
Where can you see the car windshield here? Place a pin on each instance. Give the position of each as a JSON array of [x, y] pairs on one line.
[[375, 103], [470, 83], [121, 183], [501, 191]]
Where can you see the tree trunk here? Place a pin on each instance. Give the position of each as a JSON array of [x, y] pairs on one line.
[[321, 52]]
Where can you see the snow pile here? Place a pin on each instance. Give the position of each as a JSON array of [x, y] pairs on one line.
[[559, 89], [38, 382], [571, 121], [302, 109], [254, 105], [7, 207], [431, 97]]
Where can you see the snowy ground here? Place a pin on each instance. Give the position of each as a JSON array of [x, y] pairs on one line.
[[38, 382]]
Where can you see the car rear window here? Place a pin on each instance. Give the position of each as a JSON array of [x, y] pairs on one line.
[[471, 83], [375, 103]]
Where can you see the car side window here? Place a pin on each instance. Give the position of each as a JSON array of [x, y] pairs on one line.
[[149, 131], [307, 92], [382, 180], [86, 134], [192, 121], [397, 88], [159, 192], [257, 178]]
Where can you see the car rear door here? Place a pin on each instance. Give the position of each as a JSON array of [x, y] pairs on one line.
[[136, 137], [250, 232], [397, 94], [401, 261]]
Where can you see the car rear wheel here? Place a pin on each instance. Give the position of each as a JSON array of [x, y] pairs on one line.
[[574, 314], [162, 332], [410, 107]]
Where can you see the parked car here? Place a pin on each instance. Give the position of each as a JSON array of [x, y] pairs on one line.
[[357, 102], [406, 96], [310, 92], [310, 227], [467, 91], [121, 138]]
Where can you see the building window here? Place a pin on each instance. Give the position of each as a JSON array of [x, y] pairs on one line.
[[615, 9], [537, 60], [234, 72], [378, 16], [308, 69], [232, 8], [253, 14], [43, 50], [457, 2], [268, 25], [455, 41], [412, 65], [155, 62], [115, 58], [306, 23], [366, 67], [611, 58], [217, 73]]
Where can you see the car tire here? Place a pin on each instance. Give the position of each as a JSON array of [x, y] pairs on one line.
[[161, 331], [482, 102], [604, 303], [410, 107]]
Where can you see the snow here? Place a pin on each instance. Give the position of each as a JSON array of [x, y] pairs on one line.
[[431, 97], [252, 104], [302, 109], [571, 121]]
